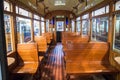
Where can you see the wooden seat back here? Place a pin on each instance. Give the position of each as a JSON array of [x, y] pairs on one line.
[[93, 51], [42, 43], [28, 52]]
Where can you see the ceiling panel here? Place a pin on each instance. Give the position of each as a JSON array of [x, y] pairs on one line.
[[69, 5]]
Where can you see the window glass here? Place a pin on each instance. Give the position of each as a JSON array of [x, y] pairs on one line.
[[117, 5], [7, 6], [42, 27], [42, 19], [78, 24], [23, 29], [78, 18], [107, 9], [60, 25], [85, 27], [117, 33], [100, 29], [17, 9], [24, 12], [73, 26], [100, 11], [86, 16], [36, 28], [36, 17], [47, 25], [8, 32]]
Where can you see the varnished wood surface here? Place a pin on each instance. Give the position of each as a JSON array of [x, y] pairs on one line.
[[29, 56], [42, 43], [88, 68], [88, 58]]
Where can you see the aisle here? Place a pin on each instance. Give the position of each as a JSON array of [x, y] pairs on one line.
[[53, 69]]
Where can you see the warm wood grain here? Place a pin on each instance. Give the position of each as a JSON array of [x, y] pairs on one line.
[[86, 58], [29, 55], [42, 43]]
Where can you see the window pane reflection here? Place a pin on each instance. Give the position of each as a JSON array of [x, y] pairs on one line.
[[117, 33], [8, 34], [42, 27], [85, 27], [36, 28], [23, 29], [100, 29]]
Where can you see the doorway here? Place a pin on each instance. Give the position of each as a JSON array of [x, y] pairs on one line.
[[59, 29]]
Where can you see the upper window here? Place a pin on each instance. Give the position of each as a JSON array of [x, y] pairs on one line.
[[23, 12], [100, 29], [117, 5], [116, 44], [101, 11], [78, 18], [86, 16], [42, 19], [8, 32], [36, 17], [7, 6]]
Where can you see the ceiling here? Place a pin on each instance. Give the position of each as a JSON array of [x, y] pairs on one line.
[[48, 5]]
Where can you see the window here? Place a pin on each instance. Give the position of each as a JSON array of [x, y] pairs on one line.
[[42, 27], [73, 25], [23, 12], [78, 18], [116, 44], [78, 24], [100, 29], [23, 29], [36, 28], [42, 19], [85, 27], [47, 25], [100, 11], [117, 5], [86, 16], [7, 6], [36, 17], [60, 25], [8, 32]]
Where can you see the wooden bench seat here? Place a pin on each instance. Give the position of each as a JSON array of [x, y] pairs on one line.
[[28, 61], [88, 68], [88, 58]]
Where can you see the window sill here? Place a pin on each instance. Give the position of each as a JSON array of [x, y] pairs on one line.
[[9, 53]]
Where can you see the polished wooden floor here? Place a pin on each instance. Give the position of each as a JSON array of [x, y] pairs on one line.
[[54, 66]]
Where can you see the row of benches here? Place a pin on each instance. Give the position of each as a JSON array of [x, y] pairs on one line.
[[28, 54], [84, 57]]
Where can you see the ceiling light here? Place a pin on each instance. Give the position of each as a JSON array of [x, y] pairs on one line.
[[59, 2]]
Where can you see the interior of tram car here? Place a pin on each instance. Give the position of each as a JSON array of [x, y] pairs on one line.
[[59, 39]]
